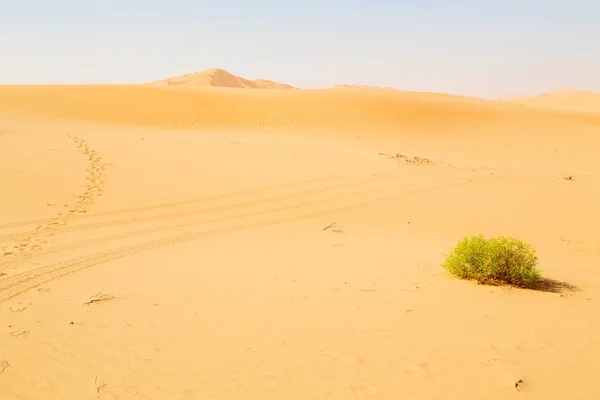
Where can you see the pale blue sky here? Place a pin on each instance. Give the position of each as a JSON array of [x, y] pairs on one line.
[[474, 47]]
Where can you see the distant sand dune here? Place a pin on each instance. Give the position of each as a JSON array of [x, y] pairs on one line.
[[565, 92], [350, 86], [565, 99], [218, 78]]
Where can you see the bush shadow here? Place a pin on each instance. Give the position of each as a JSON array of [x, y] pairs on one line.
[[554, 286]]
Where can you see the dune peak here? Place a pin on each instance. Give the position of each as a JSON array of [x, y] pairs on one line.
[[216, 77]]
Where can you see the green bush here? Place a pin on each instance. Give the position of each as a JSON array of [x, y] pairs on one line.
[[499, 260]]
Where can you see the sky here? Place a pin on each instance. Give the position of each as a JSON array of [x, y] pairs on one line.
[[468, 47]]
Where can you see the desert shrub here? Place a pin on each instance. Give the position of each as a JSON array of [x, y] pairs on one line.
[[498, 260]]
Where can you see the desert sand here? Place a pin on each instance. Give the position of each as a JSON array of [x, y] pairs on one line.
[[225, 243]]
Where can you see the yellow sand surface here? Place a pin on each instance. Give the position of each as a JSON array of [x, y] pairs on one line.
[[224, 243]]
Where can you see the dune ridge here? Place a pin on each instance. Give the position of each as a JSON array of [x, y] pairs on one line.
[[375, 117], [240, 109]]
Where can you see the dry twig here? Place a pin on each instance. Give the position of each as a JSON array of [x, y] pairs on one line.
[[99, 297], [517, 383], [329, 226], [98, 387]]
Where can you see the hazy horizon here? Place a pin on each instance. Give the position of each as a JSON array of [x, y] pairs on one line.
[[476, 48]]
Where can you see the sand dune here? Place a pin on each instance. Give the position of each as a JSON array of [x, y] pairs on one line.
[[564, 99], [218, 78], [455, 129], [350, 86], [213, 243], [565, 92]]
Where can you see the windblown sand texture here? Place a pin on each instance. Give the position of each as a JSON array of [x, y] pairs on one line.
[[287, 244]]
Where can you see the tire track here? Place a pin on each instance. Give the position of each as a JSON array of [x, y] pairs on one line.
[[15, 258], [131, 220], [76, 217], [19, 283], [20, 258], [71, 246]]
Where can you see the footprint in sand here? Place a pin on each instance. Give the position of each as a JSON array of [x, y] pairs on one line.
[[19, 333], [420, 369], [20, 308], [3, 365], [43, 290]]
